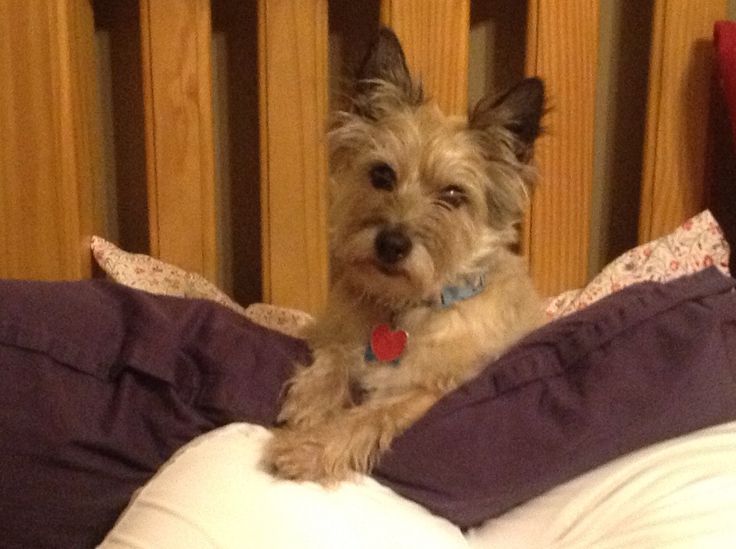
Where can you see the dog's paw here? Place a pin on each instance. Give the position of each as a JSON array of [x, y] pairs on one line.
[[302, 455]]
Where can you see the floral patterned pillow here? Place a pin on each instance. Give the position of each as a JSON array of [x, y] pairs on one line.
[[144, 272], [697, 244]]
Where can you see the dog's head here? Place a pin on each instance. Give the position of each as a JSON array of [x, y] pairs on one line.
[[420, 199]]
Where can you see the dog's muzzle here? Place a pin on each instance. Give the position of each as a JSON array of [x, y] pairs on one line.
[[392, 245]]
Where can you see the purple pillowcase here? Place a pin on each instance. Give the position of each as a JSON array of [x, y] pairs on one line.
[[100, 384], [646, 364]]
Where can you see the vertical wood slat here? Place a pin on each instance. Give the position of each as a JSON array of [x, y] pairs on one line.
[[292, 42], [176, 48], [562, 47], [674, 185], [435, 37], [49, 153]]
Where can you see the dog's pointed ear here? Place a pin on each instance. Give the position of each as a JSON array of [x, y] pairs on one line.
[[384, 76], [519, 111]]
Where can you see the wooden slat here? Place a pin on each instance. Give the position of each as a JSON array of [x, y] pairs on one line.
[[176, 45], [83, 174], [562, 38], [293, 108], [674, 185], [434, 35], [49, 154]]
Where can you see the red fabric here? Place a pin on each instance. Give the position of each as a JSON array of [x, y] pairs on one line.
[[725, 43]]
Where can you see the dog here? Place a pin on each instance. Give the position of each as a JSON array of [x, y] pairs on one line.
[[426, 289]]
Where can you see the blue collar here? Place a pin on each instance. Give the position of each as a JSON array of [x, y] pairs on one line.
[[453, 294]]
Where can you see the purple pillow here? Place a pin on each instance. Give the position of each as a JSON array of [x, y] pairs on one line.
[[100, 384], [646, 364]]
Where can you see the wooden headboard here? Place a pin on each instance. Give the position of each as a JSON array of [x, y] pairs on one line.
[[192, 130]]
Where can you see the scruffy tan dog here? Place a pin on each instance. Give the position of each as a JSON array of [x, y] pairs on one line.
[[426, 291]]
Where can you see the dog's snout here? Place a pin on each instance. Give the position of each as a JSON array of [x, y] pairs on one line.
[[392, 245]]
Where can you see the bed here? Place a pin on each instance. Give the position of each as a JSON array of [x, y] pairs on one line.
[[149, 126], [140, 130]]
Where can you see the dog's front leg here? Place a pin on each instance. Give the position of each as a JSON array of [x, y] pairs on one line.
[[318, 391], [350, 442]]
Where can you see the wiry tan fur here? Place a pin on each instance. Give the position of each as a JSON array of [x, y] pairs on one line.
[[341, 413]]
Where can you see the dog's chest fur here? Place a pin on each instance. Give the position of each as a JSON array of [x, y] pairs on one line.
[[446, 346], [427, 327]]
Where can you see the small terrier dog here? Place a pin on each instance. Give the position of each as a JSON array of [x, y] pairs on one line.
[[426, 291]]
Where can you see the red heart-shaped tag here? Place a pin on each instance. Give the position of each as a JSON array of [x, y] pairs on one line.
[[387, 344]]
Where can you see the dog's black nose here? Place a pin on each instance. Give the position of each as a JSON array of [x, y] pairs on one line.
[[392, 245]]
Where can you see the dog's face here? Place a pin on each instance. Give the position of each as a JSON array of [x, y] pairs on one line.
[[419, 199]]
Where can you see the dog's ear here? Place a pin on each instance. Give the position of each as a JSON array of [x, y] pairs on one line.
[[519, 111], [383, 79]]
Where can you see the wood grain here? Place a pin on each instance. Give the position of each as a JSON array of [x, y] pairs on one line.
[[49, 153], [176, 46], [293, 80], [562, 48], [674, 181], [435, 37]]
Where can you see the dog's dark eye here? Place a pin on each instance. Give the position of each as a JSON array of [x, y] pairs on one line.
[[383, 177], [453, 196]]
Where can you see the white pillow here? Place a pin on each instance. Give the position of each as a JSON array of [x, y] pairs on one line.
[[679, 493], [212, 493]]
